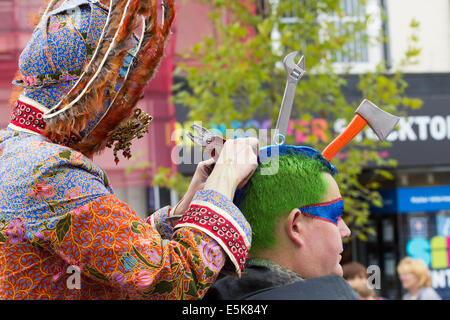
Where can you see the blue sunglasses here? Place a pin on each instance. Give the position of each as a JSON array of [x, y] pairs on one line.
[[330, 211]]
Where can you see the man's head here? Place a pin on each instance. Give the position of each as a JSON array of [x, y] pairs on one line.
[[294, 213]]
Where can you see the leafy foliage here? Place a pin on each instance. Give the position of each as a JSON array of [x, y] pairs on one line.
[[165, 177]]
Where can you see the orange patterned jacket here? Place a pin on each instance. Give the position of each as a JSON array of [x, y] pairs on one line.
[[65, 235]]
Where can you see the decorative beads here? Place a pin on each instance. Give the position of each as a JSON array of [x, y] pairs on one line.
[[27, 117], [222, 229]]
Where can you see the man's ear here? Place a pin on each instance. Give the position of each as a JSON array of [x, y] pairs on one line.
[[295, 227]]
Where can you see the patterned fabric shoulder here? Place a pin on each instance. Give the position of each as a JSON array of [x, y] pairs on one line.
[[45, 180], [119, 256]]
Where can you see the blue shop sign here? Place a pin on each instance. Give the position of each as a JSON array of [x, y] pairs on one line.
[[414, 199]]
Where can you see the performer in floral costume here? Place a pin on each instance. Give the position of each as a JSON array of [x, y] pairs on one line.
[[81, 76]]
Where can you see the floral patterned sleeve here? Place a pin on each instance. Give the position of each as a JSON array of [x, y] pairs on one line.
[[217, 216], [113, 246], [77, 216], [160, 221]]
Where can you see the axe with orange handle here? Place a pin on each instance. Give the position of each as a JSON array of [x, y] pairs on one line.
[[381, 122]]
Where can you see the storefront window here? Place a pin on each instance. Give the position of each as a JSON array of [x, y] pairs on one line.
[[428, 238]]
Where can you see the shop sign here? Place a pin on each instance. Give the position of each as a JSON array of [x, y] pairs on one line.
[[436, 254], [418, 227], [418, 139], [415, 199]]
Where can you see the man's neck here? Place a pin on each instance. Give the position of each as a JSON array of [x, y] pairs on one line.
[[276, 256], [284, 275]]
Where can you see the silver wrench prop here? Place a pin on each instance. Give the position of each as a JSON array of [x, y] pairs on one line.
[[294, 73]]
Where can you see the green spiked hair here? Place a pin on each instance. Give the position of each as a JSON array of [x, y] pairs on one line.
[[267, 198]]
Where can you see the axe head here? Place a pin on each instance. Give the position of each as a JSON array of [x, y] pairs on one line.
[[381, 122]]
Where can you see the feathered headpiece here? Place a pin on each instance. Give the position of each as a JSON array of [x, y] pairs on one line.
[[85, 65]]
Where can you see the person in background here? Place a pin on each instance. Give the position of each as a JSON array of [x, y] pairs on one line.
[[354, 271], [416, 280], [363, 290], [356, 275]]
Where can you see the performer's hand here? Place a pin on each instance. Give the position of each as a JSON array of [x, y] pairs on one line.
[[202, 173], [237, 162]]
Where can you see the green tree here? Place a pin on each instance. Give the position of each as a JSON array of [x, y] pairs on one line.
[[238, 77]]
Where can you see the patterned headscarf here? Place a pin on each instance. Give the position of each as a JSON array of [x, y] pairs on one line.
[[59, 48], [86, 66]]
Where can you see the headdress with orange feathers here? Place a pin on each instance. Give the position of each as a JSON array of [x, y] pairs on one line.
[[86, 66]]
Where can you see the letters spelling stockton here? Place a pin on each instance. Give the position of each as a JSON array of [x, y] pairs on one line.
[[229, 309]]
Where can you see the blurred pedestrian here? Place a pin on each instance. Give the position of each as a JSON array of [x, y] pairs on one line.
[[415, 278], [356, 275], [354, 271], [363, 290]]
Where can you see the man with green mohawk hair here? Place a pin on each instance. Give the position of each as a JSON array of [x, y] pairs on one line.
[[295, 209]]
